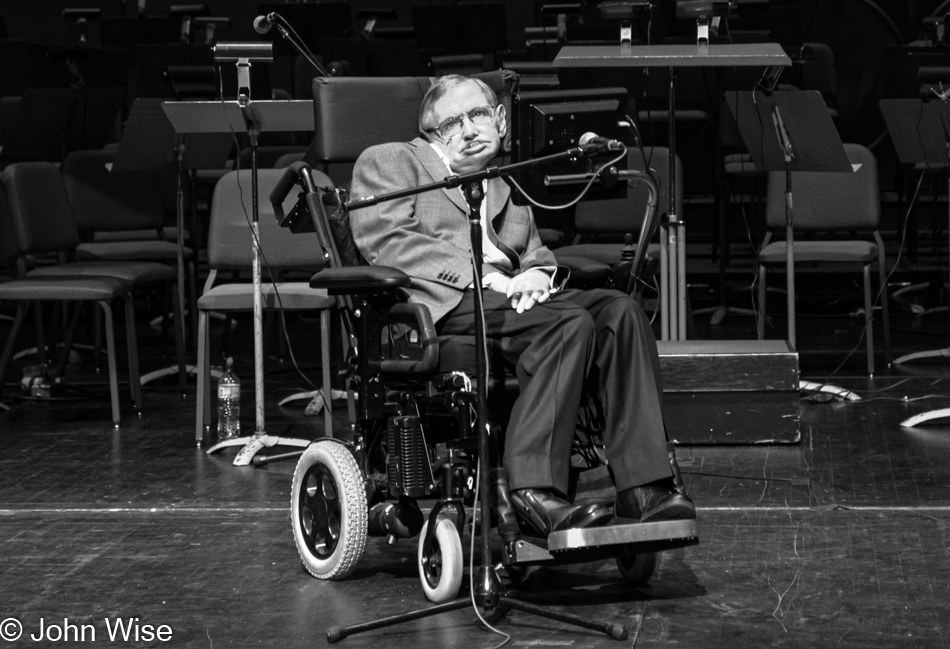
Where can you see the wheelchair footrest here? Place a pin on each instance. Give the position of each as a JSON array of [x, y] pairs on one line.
[[612, 540], [663, 534]]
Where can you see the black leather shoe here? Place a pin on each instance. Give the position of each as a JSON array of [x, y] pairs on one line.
[[542, 512], [649, 504]]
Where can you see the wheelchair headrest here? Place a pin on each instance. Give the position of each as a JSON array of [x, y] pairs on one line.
[[353, 113]]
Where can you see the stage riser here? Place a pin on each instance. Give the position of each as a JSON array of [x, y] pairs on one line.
[[730, 392]]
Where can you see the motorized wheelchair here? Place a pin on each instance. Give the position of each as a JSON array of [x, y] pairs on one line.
[[416, 434]]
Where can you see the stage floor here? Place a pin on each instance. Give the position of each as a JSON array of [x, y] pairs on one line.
[[841, 540]]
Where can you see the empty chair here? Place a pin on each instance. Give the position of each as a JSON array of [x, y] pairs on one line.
[[601, 225], [833, 202], [43, 221], [67, 288], [229, 249], [120, 216]]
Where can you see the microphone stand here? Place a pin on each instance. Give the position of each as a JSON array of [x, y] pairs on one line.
[[488, 594], [290, 35]]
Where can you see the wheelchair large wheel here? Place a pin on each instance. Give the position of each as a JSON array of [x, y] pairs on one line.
[[637, 569], [441, 571], [328, 510]]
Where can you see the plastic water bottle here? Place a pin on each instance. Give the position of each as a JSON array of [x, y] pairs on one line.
[[229, 403]]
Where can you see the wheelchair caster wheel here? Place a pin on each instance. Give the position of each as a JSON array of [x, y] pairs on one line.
[[636, 569], [328, 510], [440, 571]]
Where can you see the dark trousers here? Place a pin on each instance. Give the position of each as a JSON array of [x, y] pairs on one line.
[[598, 339]]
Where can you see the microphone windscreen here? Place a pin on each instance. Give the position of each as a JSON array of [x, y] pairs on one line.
[[262, 25]]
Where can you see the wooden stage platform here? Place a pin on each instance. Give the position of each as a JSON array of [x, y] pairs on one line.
[[840, 539]]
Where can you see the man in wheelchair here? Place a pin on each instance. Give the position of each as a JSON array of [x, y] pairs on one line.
[[564, 343]]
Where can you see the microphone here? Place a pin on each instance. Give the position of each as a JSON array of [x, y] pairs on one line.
[[263, 24], [593, 143]]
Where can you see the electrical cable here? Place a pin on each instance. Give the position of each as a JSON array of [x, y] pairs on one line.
[[593, 178]]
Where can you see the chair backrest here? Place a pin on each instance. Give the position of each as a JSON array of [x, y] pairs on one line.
[[229, 229], [621, 215], [106, 201], [40, 209], [829, 201]]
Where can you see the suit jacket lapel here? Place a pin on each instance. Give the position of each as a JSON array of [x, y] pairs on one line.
[[437, 169]]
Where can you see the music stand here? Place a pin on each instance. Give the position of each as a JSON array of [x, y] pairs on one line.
[[920, 131], [252, 118], [788, 131], [149, 143], [673, 312]]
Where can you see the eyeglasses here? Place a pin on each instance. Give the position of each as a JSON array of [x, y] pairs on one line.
[[453, 125]]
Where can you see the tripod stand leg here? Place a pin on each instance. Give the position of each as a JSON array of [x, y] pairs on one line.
[[615, 631], [337, 633]]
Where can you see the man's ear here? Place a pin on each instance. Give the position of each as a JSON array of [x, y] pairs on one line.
[[501, 120]]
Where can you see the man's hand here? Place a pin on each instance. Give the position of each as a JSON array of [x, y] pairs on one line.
[[527, 289]]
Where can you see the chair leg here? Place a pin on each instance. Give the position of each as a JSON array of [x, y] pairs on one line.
[[761, 311], [40, 332], [97, 341], [885, 309], [135, 380], [202, 406], [110, 353], [179, 326], [869, 318], [7, 358], [68, 339]]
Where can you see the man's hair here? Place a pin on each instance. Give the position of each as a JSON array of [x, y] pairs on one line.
[[427, 116]]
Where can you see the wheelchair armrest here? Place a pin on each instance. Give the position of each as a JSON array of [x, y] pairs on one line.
[[360, 279], [413, 344]]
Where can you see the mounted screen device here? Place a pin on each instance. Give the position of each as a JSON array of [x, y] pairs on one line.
[[544, 122]]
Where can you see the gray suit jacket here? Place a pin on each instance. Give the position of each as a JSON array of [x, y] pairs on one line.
[[427, 235]]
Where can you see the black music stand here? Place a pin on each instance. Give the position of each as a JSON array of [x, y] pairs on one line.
[[673, 311], [789, 130], [920, 131], [149, 143], [253, 118]]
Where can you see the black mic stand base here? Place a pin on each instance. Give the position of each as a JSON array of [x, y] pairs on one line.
[[491, 598]]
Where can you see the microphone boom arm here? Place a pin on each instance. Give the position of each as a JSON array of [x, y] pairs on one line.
[[290, 35]]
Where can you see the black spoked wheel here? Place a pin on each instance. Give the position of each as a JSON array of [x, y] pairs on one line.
[[328, 510]]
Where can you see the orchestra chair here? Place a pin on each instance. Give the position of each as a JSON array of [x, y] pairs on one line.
[[68, 288], [607, 230], [229, 252], [45, 223], [121, 217], [824, 202]]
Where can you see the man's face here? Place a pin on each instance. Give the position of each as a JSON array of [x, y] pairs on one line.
[[474, 145]]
